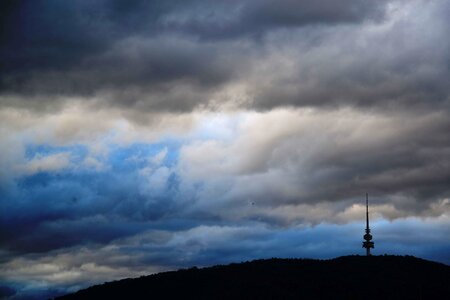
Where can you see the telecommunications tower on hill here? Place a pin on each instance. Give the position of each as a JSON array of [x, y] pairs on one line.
[[367, 237]]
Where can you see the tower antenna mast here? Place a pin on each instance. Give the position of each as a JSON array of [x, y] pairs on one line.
[[368, 244]]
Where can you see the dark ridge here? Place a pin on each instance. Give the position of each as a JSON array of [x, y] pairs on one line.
[[347, 277]]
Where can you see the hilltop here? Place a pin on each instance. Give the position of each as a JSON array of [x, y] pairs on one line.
[[348, 277]]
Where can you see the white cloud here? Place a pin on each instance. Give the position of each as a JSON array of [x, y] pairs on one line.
[[158, 158], [47, 163]]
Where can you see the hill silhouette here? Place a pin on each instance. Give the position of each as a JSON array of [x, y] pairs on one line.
[[348, 277]]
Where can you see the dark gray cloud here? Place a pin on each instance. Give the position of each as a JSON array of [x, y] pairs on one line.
[[253, 18], [48, 35], [156, 55], [310, 167], [383, 74]]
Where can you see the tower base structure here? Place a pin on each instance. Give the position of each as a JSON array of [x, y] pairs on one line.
[[368, 244]]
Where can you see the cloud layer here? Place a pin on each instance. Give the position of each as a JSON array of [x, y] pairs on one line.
[[180, 56], [147, 136]]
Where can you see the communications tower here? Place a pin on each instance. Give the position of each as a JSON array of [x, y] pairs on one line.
[[367, 237]]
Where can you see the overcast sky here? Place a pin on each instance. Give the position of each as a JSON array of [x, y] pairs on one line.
[[143, 136]]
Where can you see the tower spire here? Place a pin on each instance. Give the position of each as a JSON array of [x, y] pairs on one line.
[[367, 237], [367, 213]]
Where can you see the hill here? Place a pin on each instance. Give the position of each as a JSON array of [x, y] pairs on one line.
[[348, 277]]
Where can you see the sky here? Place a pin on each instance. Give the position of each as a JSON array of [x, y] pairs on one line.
[[143, 136]]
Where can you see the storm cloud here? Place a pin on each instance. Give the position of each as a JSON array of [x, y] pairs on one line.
[[145, 136], [180, 56]]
